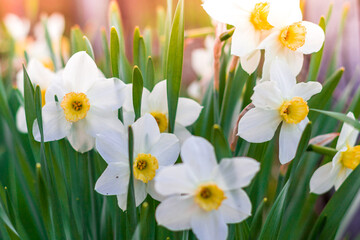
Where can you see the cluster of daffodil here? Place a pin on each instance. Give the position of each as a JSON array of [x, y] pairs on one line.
[[193, 187]]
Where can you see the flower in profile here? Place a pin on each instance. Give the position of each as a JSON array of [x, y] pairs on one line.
[[251, 26], [202, 195], [280, 100], [334, 173], [155, 103], [18, 29], [80, 104], [291, 37], [152, 152], [39, 75]]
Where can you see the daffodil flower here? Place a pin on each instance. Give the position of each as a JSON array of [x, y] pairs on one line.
[[249, 17], [280, 100], [291, 37], [334, 173], [80, 104], [155, 103], [39, 75], [152, 152], [202, 195], [19, 29]]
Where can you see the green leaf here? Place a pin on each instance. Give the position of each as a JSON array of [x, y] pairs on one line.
[[5, 219], [150, 75], [50, 45], [106, 51], [341, 117], [139, 52], [137, 91], [338, 205], [320, 100], [316, 58], [257, 221], [131, 214], [175, 62], [114, 52], [89, 48], [77, 42], [221, 145]]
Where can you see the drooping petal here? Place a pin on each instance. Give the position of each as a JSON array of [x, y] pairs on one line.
[[348, 134], [113, 146], [283, 13], [139, 191], [323, 179], [236, 207], [234, 173], [175, 212], [306, 90], [228, 11], [146, 134], [244, 40], [314, 39], [209, 225], [55, 126], [107, 94], [251, 62], [21, 120], [290, 135], [188, 111], [80, 73], [157, 100], [259, 125], [79, 137], [267, 95], [114, 180], [199, 155], [166, 150], [177, 179]]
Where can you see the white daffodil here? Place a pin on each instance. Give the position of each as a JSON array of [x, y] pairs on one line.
[[156, 104], [152, 152], [80, 104], [291, 37], [249, 17], [202, 195], [280, 100], [39, 75], [19, 29], [334, 173]]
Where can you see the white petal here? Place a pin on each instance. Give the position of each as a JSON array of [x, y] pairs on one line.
[[177, 179], [290, 135], [228, 11], [80, 73], [146, 134], [175, 212], [209, 226], [128, 118], [348, 134], [150, 188], [188, 111], [244, 40], [323, 179], [107, 94], [56, 88], [17, 27], [181, 133], [128, 102], [55, 126], [234, 173], [236, 207], [259, 125], [99, 120], [267, 95], [157, 100], [251, 62], [281, 73], [306, 90], [56, 26], [199, 155], [21, 120], [295, 60], [39, 75], [113, 181], [314, 39], [79, 138], [140, 195], [341, 177], [166, 150], [113, 146], [284, 12]]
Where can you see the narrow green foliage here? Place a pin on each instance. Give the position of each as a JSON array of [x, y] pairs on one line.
[[341, 117], [150, 75], [106, 50], [77, 42], [220, 143], [89, 48], [139, 52], [114, 52], [175, 62], [137, 91], [50, 45]]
